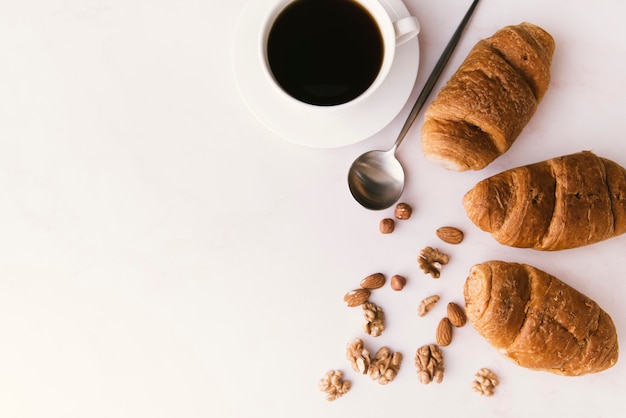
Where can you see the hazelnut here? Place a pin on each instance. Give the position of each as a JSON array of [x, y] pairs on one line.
[[398, 282], [387, 226], [403, 211]]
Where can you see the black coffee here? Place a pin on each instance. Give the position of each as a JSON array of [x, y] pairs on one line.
[[325, 52]]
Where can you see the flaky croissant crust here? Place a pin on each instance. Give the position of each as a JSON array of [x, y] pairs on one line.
[[538, 321], [565, 202], [484, 106]]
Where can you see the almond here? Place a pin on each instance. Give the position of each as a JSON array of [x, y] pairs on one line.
[[450, 234], [456, 314], [357, 297], [444, 332], [373, 281]]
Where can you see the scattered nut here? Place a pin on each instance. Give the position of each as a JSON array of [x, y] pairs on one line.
[[398, 282], [358, 356], [373, 281], [486, 381], [450, 234], [374, 319], [357, 297], [444, 332], [333, 385], [431, 260], [427, 304], [387, 226], [403, 211], [385, 366], [429, 362], [456, 314]]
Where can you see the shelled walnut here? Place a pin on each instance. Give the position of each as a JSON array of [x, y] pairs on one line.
[[427, 304], [431, 261], [374, 319], [486, 381], [358, 356], [429, 362], [333, 385], [385, 366]]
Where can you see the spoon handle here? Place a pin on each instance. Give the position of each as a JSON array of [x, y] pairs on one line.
[[434, 76]]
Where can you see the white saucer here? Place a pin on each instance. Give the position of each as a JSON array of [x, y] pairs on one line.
[[319, 127]]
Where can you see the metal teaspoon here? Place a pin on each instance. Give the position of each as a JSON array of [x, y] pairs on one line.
[[376, 178]]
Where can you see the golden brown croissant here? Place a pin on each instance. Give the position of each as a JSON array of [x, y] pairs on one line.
[[565, 202], [538, 321], [483, 108]]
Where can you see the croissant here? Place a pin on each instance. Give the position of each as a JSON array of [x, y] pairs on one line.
[[565, 202], [483, 108], [539, 321]]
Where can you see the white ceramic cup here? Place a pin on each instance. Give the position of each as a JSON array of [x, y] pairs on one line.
[[392, 33]]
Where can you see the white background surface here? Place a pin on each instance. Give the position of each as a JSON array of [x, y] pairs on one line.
[[162, 254]]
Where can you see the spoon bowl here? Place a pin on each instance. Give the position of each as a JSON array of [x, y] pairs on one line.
[[376, 178]]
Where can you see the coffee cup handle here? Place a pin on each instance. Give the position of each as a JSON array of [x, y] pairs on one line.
[[406, 28]]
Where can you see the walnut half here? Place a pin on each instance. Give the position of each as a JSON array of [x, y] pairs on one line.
[[374, 319], [486, 381], [429, 362], [333, 385], [431, 261], [358, 356], [385, 366]]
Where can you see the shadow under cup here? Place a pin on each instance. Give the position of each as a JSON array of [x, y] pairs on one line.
[[325, 52]]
